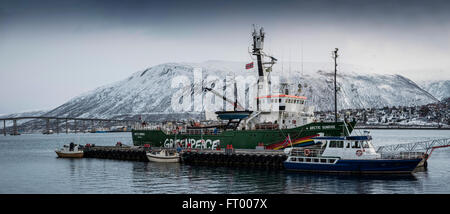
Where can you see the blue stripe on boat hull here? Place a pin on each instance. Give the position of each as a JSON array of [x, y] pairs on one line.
[[357, 166]]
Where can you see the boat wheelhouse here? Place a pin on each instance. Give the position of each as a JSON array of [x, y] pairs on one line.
[[351, 154]]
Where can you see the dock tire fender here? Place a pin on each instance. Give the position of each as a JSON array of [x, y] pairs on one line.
[[261, 158], [247, 158], [194, 155]]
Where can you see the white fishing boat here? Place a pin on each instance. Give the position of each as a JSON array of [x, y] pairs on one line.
[[70, 151], [163, 156]]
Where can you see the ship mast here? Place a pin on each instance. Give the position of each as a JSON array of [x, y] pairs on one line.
[[335, 56], [258, 42], [263, 83]]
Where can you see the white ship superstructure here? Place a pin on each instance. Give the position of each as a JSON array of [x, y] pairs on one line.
[[275, 109]]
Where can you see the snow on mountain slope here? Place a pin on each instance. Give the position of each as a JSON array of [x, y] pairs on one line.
[[150, 92], [439, 89]]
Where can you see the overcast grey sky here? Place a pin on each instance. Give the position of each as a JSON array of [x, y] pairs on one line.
[[51, 51]]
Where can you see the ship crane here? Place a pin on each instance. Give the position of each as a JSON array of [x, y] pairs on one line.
[[234, 117], [236, 104]]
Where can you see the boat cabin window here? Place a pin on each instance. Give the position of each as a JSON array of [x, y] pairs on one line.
[[365, 144], [347, 144], [356, 145], [336, 144], [332, 144]]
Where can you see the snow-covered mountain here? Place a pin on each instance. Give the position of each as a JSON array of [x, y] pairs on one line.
[[438, 88], [149, 92]]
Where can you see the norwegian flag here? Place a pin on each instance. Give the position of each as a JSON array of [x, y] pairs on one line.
[[288, 140], [249, 65]]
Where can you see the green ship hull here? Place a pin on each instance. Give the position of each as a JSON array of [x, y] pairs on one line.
[[243, 139]]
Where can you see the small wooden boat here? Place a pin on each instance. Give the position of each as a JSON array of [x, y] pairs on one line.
[[163, 156], [69, 151]]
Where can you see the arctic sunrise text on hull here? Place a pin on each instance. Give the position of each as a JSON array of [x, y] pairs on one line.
[[265, 128]]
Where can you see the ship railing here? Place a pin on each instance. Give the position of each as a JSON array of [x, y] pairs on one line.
[[202, 132], [168, 130], [147, 127], [306, 152]]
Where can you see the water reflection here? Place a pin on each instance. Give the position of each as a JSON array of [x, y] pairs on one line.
[[303, 182], [29, 165]]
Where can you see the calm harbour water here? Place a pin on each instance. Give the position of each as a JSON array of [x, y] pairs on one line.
[[28, 164]]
